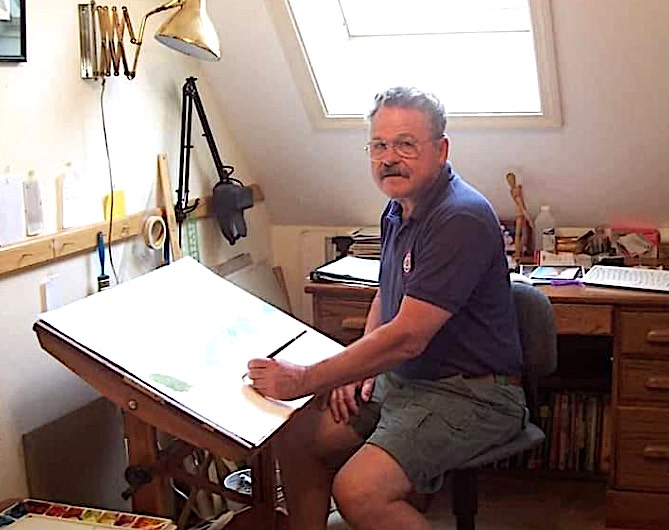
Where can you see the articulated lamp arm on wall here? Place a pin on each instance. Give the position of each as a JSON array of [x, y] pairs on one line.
[[229, 197], [102, 36]]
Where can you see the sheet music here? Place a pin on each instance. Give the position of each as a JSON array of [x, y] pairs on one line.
[[189, 334]]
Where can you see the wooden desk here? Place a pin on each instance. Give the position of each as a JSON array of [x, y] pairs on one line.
[[638, 324], [143, 415]]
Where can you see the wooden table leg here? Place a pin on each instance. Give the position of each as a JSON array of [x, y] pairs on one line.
[[152, 498], [264, 485]]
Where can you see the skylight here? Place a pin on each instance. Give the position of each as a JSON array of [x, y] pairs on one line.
[[483, 58], [392, 17]]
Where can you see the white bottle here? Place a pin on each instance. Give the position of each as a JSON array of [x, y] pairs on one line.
[[544, 230]]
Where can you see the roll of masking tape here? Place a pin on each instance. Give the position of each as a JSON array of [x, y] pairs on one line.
[[155, 232]]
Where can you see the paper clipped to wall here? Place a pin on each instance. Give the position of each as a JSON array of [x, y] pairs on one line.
[[12, 215]]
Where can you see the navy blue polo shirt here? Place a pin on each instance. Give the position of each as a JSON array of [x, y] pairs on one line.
[[450, 253]]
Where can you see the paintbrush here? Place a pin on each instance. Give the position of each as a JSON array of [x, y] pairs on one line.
[[103, 279]]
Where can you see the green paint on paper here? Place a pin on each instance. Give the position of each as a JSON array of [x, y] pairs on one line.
[[171, 382]]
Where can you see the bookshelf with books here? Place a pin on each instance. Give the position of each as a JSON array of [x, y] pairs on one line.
[[578, 434], [574, 411]]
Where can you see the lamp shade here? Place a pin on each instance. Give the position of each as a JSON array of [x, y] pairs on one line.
[[191, 31]]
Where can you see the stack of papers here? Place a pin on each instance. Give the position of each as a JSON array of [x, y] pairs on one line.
[[351, 270], [366, 242]]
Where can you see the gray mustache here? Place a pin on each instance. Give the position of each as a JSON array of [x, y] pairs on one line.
[[392, 170]]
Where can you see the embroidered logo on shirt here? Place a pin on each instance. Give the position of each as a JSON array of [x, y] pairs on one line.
[[407, 263]]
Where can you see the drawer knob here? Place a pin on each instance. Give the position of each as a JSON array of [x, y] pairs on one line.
[[657, 383], [656, 452], [354, 323], [658, 336]]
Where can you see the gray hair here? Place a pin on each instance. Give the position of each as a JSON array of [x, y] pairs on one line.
[[413, 98]]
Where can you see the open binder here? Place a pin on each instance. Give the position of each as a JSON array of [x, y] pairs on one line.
[[189, 359], [350, 270]]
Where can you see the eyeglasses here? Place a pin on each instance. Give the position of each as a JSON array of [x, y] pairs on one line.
[[405, 147]]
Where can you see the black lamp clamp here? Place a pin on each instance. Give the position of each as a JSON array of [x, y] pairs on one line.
[[230, 196]]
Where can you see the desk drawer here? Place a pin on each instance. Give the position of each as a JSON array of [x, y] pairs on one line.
[[644, 380], [645, 333], [643, 450], [583, 319], [343, 320]]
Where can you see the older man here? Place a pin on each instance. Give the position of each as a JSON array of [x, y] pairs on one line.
[[440, 349]]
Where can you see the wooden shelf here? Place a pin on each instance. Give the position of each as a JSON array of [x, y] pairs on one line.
[[50, 247]]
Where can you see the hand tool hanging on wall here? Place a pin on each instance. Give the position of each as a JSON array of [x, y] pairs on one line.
[[103, 279]]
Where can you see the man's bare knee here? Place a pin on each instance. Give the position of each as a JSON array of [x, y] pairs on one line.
[[350, 493], [368, 483], [316, 434]]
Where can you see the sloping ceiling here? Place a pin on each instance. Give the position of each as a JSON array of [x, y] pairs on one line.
[[606, 164]]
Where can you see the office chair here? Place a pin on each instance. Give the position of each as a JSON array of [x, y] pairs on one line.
[[539, 345]]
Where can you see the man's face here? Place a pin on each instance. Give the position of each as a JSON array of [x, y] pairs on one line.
[[397, 176]]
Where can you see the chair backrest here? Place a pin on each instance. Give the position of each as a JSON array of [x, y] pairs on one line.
[[538, 337]]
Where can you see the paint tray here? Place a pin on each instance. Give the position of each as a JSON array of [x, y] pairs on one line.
[[30, 514]]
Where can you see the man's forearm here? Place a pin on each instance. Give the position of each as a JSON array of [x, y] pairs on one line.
[[374, 314], [380, 350]]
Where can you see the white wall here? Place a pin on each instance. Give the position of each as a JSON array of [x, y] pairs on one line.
[[606, 164], [49, 116]]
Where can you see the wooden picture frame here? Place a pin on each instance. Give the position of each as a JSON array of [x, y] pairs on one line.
[[13, 31]]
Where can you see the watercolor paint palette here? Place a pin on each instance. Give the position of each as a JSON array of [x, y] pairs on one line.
[[31, 514]]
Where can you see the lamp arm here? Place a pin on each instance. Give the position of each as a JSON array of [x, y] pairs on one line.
[[222, 170], [190, 97], [138, 41]]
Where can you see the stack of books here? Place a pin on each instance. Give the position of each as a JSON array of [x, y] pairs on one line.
[[366, 242]]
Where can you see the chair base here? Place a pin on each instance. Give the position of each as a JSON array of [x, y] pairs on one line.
[[465, 523], [464, 497]]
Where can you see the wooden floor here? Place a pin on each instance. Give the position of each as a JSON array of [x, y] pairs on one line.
[[525, 503]]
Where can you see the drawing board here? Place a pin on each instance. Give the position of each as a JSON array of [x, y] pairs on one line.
[[186, 334]]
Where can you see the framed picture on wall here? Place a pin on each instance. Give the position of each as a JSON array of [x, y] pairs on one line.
[[13, 30]]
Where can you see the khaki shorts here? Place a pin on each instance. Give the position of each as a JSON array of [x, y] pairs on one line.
[[430, 427]]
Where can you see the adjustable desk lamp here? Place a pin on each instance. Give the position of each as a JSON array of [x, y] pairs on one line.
[[230, 196]]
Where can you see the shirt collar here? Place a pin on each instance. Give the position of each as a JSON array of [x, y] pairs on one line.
[[430, 195], [394, 214], [434, 192]]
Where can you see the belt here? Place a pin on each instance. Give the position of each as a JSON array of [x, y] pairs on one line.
[[501, 379]]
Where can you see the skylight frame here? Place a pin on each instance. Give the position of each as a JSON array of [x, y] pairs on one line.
[[544, 48]]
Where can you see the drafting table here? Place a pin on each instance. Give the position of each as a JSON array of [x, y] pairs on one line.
[[125, 343]]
